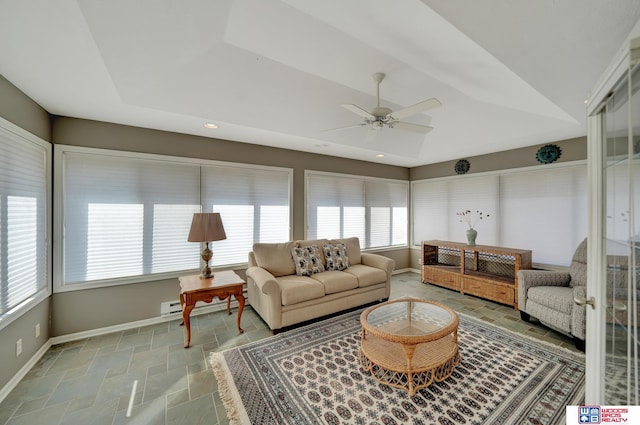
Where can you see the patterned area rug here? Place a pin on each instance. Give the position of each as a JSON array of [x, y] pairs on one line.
[[312, 375]]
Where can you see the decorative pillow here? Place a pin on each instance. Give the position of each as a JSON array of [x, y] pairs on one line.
[[275, 257], [336, 256], [353, 249], [307, 260]]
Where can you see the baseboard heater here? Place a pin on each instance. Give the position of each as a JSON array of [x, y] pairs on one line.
[[169, 308]]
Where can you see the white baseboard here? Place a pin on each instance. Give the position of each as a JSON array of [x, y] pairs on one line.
[[406, 270], [4, 392]]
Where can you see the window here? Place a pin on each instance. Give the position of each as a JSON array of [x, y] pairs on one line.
[[543, 209], [437, 202], [253, 203], [127, 216], [24, 225], [340, 206]]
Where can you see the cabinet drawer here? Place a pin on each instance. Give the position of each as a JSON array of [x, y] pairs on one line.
[[500, 293], [442, 277]]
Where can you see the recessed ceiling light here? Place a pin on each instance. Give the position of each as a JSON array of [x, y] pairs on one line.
[[380, 155], [210, 125]]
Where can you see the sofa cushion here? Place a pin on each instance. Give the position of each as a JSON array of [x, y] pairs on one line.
[[558, 298], [353, 249], [335, 281], [311, 242], [275, 257], [307, 260], [296, 289], [335, 256], [367, 275]]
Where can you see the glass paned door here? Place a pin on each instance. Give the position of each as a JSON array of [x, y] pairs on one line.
[[620, 245]]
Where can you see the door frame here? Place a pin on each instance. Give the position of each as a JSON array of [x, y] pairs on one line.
[[595, 354]]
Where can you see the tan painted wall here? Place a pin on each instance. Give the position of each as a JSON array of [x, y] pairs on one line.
[[572, 150], [93, 308], [25, 113], [16, 107]]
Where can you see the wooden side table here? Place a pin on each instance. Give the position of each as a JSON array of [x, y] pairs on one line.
[[222, 285]]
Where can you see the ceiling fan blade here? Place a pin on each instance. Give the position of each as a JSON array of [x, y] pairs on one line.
[[425, 105], [410, 127], [343, 128], [358, 111]]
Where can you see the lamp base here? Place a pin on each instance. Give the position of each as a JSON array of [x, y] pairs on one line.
[[207, 254], [206, 272]]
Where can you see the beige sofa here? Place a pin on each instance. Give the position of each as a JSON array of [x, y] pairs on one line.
[[283, 297]]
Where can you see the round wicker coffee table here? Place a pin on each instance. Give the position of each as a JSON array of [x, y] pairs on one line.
[[409, 343]]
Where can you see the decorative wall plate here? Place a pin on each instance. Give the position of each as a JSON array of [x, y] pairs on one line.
[[462, 166], [548, 154]]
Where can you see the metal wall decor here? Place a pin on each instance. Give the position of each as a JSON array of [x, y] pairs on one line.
[[548, 154], [462, 166]]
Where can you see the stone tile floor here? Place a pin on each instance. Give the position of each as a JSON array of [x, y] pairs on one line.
[[90, 381]]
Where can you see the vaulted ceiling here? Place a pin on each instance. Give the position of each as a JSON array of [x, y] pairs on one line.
[[509, 73]]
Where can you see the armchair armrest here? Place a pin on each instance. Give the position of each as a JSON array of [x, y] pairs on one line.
[[530, 278]]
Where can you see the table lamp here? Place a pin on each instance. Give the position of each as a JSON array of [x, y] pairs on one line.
[[206, 227]]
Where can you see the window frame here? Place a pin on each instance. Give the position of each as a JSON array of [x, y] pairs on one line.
[[366, 206], [58, 207], [23, 136]]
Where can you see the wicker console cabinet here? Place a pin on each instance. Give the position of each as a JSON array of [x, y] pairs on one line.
[[488, 272]]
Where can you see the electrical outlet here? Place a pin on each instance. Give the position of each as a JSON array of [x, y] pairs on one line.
[[37, 330], [18, 347]]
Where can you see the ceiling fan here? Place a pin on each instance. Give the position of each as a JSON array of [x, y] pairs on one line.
[[381, 116]]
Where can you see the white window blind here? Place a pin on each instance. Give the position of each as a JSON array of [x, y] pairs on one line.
[[430, 210], [373, 210], [253, 204], [543, 209], [126, 217], [24, 211], [436, 205], [335, 207]]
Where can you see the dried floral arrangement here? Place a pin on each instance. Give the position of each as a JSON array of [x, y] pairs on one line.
[[471, 217]]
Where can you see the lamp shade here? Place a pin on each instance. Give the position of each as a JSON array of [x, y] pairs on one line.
[[206, 227]]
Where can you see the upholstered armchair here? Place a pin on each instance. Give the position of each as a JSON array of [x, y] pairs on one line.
[[548, 296]]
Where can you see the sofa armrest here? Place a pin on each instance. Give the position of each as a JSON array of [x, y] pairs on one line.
[[264, 281], [264, 296], [530, 278], [380, 262]]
